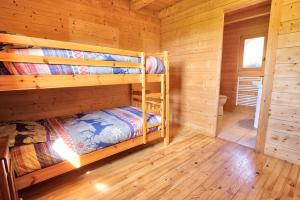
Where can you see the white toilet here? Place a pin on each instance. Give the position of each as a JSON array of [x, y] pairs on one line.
[[222, 101]]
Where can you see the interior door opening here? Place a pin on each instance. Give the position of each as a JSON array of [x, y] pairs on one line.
[[242, 73]]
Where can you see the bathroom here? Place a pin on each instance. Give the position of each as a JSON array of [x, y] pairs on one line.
[[242, 71]]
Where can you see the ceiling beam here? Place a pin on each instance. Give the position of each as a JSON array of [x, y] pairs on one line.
[[139, 4]]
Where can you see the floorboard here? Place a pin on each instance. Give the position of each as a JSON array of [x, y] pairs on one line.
[[193, 166]]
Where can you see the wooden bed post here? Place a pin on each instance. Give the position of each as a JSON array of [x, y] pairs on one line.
[[144, 108], [167, 97], [163, 104]]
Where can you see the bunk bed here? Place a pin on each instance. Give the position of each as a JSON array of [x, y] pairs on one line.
[[35, 63]]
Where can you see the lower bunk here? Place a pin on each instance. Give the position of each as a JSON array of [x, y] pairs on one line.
[[47, 148]]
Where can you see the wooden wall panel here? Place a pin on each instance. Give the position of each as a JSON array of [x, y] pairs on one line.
[[193, 94], [230, 56], [283, 135], [103, 22], [109, 23], [192, 32], [38, 104]]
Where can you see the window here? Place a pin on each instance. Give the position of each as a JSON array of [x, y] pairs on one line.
[[253, 52]]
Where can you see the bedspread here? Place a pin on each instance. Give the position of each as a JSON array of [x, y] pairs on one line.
[[81, 134]]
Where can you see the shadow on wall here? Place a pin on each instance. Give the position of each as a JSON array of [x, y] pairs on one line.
[[176, 72], [41, 104]]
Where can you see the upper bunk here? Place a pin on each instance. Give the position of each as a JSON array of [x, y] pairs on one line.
[[35, 63]]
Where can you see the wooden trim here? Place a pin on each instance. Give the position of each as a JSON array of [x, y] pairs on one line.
[[214, 126], [46, 43], [13, 57], [162, 103], [144, 108], [274, 26], [242, 5], [29, 82], [247, 18], [63, 167], [251, 12], [167, 100]]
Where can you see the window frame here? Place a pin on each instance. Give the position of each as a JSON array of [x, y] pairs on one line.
[[254, 71]]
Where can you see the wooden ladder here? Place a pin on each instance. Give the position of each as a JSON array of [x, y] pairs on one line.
[[149, 106]]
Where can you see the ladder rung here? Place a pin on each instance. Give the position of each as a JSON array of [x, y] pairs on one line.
[[136, 96], [139, 98], [154, 125], [154, 95], [149, 102], [139, 92], [149, 95], [157, 110], [154, 103]]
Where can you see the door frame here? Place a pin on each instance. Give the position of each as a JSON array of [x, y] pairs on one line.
[[269, 67]]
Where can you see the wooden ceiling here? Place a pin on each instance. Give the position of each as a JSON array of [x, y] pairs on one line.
[[153, 5]]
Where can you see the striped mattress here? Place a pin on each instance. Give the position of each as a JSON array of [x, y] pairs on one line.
[[153, 64]]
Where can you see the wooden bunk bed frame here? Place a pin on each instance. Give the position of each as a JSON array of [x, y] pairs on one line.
[[150, 102]]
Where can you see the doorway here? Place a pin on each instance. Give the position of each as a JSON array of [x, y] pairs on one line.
[[242, 73]]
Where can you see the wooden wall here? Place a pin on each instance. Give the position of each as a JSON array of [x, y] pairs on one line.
[[192, 32], [230, 56], [283, 135], [100, 22]]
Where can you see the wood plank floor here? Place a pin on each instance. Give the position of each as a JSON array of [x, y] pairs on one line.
[[238, 127], [193, 166]]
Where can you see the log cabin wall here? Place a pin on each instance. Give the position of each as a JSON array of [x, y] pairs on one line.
[[283, 133], [100, 22], [192, 32], [230, 57]]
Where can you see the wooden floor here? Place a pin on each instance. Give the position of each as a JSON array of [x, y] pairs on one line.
[[193, 166], [238, 127]]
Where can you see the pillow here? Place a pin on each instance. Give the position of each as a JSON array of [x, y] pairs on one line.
[[26, 132], [154, 65], [151, 64]]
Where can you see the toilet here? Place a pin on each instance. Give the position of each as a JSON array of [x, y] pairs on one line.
[[222, 101]]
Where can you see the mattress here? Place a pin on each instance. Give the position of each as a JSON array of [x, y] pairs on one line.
[[80, 134], [153, 65]]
